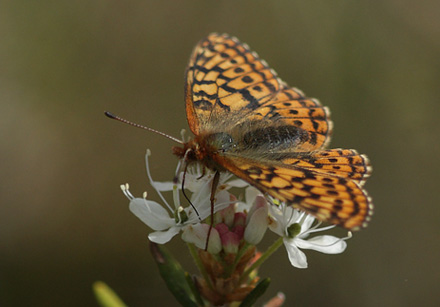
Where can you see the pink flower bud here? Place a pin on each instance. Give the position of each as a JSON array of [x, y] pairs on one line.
[[222, 228], [240, 219], [230, 242], [225, 216], [239, 231]]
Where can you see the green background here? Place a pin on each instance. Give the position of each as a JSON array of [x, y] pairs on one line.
[[64, 221]]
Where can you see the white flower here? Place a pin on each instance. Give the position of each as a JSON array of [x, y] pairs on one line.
[[295, 227], [168, 223], [257, 221], [198, 234]]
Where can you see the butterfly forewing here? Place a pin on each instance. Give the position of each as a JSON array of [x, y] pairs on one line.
[[223, 79], [228, 86], [249, 122]]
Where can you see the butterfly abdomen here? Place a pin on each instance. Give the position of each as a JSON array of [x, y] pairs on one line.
[[273, 138]]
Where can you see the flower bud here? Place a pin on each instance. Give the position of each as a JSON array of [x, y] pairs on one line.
[[239, 231], [257, 221], [198, 233], [230, 242], [240, 219], [225, 216]]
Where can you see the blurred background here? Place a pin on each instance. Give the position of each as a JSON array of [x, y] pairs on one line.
[[64, 222]]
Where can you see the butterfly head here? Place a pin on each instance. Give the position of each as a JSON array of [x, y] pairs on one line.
[[204, 147]]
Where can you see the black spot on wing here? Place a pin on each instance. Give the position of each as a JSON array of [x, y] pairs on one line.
[[223, 106], [202, 82], [270, 86], [247, 79], [253, 102], [313, 138], [229, 89], [204, 94], [202, 104]]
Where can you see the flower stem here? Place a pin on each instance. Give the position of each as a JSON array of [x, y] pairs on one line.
[[263, 258], [199, 264]]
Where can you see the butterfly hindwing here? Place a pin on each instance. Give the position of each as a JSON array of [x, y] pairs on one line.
[[328, 197], [344, 163]]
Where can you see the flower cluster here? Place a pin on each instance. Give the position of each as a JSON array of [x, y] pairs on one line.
[[228, 259]]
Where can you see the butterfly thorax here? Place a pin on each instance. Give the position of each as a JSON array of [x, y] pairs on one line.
[[204, 146]]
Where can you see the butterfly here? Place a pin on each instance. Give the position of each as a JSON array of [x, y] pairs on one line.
[[249, 122]]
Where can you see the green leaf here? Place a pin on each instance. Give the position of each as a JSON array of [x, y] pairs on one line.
[[105, 296], [173, 275], [255, 294], [194, 289]]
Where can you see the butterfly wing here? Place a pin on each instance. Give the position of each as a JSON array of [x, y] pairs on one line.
[[219, 81], [343, 163], [289, 108], [229, 87], [275, 134], [333, 196]]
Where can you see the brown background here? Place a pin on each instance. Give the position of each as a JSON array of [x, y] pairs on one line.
[[64, 223]]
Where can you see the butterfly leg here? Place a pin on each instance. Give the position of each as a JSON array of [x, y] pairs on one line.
[[215, 182], [203, 173], [184, 194]]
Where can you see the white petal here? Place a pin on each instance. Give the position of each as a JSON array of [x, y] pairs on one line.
[[308, 221], [163, 186], [238, 183], [193, 184], [277, 221], [151, 213], [276, 227], [161, 237], [200, 197], [256, 227], [198, 233], [222, 197], [250, 194], [259, 202], [323, 244], [204, 205], [297, 258]]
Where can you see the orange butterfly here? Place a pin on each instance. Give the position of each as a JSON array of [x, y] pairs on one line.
[[250, 123]]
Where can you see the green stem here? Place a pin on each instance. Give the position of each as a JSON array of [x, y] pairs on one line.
[[199, 264], [263, 258]]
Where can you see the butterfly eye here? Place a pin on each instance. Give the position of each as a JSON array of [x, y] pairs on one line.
[[221, 141]]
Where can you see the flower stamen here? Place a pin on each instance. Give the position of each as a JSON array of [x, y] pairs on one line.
[[126, 191]]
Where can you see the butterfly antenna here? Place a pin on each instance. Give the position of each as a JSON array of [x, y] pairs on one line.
[[113, 116]]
